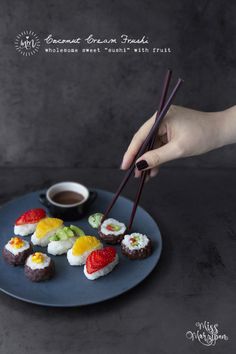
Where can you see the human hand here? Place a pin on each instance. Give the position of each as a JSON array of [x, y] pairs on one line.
[[183, 132]]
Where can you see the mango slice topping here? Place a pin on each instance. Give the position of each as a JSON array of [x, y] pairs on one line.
[[83, 244], [16, 242], [38, 257], [46, 225]]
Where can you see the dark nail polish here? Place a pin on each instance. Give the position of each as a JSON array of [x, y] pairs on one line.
[[141, 165]]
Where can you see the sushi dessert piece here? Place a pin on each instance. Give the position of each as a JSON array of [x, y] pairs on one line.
[[64, 239], [82, 248], [112, 231], [100, 263], [16, 251], [95, 220], [39, 267], [45, 229], [27, 222], [136, 246]]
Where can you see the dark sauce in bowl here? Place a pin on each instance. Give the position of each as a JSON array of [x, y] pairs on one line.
[[67, 197]]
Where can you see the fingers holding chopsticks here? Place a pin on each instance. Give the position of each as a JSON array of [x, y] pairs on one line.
[[136, 143], [157, 157], [148, 141], [138, 140], [152, 173], [183, 132]]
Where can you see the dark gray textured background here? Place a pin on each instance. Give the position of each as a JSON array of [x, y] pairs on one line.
[[76, 113], [82, 110]]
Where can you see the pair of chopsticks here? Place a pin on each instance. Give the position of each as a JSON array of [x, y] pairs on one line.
[[148, 144]]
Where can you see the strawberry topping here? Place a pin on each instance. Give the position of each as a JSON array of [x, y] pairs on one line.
[[112, 227], [99, 259], [31, 216]]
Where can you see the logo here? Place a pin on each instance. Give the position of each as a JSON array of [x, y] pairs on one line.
[[206, 333], [27, 43]]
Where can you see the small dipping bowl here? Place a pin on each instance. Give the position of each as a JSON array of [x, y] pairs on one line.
[[73, 211]]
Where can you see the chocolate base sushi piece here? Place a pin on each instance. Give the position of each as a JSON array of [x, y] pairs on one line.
[[37, 275], [41, 270], [136, 246], [112, 231], [16, 251], [110, 238]]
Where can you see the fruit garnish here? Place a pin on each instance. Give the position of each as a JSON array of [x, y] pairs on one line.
[[95, 220], [16, 242], [46, 225], [77, 230], [134, 240], [99, 259], [31, 216], [83, 244], [54, 238], [37, 257], [67, 232], [64, 233], [113, 227]]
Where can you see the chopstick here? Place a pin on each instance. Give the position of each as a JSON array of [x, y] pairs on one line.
[[150, 147], [142, 149]]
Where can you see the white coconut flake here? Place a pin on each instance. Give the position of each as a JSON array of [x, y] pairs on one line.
[[16, 251], [107, 222], [34, 265], [25, 230], [142, 241], [61, 246]]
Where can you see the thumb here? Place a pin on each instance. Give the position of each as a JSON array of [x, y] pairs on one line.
[[158, 156]]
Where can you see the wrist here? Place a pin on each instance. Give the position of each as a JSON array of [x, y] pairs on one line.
[[227, 126]]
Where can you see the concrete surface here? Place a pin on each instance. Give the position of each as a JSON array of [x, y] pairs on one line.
[[194, 281]]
